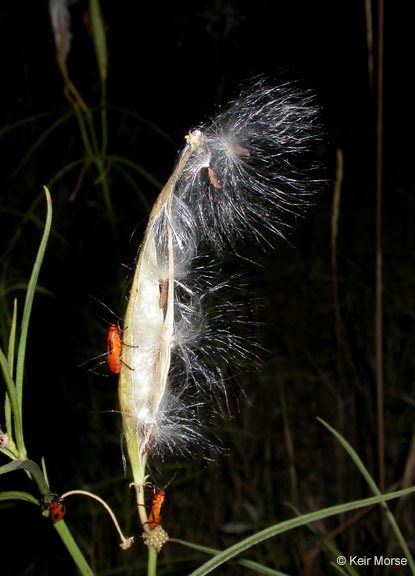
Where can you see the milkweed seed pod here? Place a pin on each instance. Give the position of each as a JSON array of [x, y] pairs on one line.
[[237, 176]]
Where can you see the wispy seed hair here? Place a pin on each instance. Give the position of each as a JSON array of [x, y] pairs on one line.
[[238, 176], [257, 162]]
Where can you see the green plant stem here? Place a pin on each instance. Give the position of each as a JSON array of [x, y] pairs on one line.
[[73, 548], [152, 561], [106, 192], [84, 133], [104, 130], [379, 262], [92, 133], [11, 396], [100, 42], [97, 156], [10, 360]]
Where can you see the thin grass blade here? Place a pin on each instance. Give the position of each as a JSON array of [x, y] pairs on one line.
[[374, 488], [288, 525], [11, 400], [10, 359], [25, 121], [12, 339], [17, 495], [40, 141], [255, 566], [25, 321], [328, 544], [100, 41], [142, 171]]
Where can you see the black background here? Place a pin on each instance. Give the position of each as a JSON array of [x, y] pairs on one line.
[[174, 66]]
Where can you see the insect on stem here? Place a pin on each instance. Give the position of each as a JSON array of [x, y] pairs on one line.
[[156, 511], [114, 348]]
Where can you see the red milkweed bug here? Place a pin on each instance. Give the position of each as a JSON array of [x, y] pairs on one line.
[[57, 510], [114, 347], [156, 510]]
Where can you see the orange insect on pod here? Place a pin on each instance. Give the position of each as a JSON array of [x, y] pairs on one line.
[[114, 347], [57, 510], [156, 511]]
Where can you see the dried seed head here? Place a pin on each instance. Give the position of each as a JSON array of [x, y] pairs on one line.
[[235, 176], [61, 25]]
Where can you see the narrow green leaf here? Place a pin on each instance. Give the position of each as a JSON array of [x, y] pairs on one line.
[[10, 453], [64, 170], [28, 215], [328, 544], [11, 403], [287, 525], [255, 566], [11, 466], [142, 197], [35, 472], [40, 141], [104, 127], [12, 339], [103, 180], [155, 127], [8, 417], [374, 488], [156, 183], [23, 287], [91, 150], [24, 121], [339, 569], [16, 495], [100, 41], [25, 323]]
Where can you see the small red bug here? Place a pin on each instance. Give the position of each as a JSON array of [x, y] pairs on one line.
[[57, 510], [114, 347], [156, 511]]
